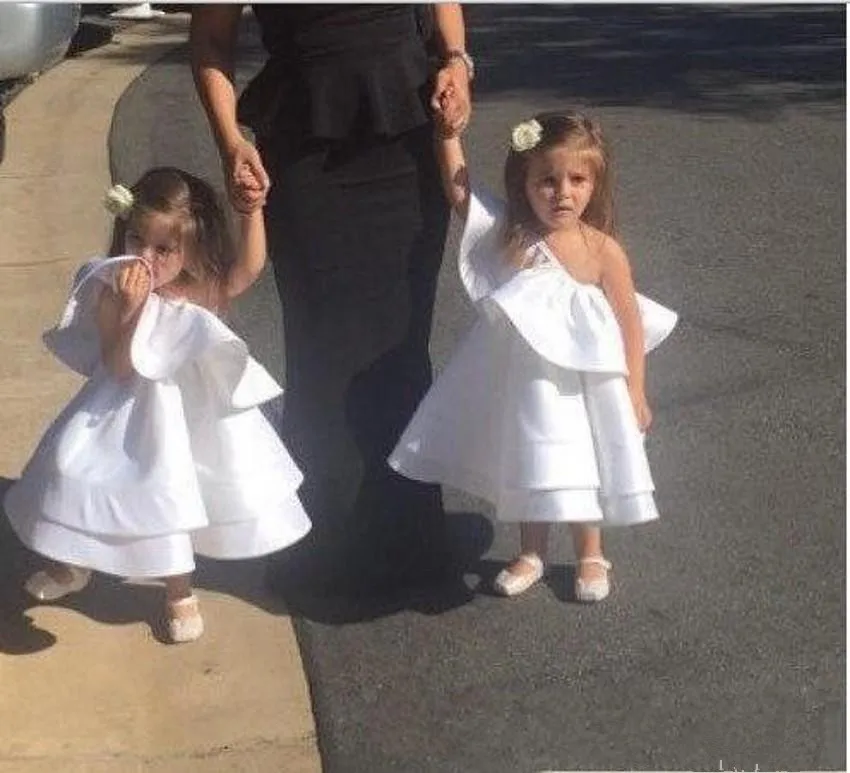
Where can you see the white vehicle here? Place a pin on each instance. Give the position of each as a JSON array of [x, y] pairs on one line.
[[33, 36]]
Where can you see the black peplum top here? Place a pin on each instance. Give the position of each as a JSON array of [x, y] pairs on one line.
[[335, 70]]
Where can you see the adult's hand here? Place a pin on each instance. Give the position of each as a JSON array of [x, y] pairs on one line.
[[451, 97], [245, 176], [212, 39]]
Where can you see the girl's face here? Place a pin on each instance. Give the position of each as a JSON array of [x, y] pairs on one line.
[[558, 186], [156, 238]]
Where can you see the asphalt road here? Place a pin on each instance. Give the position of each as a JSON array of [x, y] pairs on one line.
[[723, 644]]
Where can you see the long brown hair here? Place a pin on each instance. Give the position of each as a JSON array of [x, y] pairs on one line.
[[205, 237], [583, 135]]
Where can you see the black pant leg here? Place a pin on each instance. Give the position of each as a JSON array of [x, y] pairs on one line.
[[356, 234]]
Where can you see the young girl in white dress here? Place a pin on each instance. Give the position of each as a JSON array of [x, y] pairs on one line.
[[164, 451], [542, 409]]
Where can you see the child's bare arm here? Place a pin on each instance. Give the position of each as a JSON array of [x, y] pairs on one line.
[[251, 253], [453, 172], [618, 286], [118, 311]]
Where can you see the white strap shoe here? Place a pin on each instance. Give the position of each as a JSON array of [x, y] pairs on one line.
[[184, 620], [44, 587], [508, 583], [590, 591]]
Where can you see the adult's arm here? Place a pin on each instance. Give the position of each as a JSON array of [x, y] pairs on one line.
[[451, 90], [212, 44]]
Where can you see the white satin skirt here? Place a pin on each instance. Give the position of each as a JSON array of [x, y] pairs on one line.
[[539, 441]]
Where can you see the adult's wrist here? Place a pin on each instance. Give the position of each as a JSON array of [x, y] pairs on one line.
[[459, 56], [230, 146]]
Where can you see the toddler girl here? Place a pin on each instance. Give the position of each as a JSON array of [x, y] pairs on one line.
[[542, 409], [163, 452]]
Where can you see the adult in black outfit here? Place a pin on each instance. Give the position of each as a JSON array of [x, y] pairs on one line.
[[356, 220]]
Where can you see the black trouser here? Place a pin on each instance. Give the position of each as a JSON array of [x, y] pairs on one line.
[[356, 234]]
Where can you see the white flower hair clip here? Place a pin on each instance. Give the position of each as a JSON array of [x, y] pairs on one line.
[[119, 201], [526, 135]]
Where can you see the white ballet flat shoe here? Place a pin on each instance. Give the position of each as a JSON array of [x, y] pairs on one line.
[[43, 587], [185, 623], [591, 591], [509, 584]]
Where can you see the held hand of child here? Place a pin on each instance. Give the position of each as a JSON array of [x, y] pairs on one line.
[[642, 412], [445, 122], [450, 100], [132, 285], [247, 181]]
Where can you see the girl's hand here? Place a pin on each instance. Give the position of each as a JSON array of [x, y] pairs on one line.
[[246, 177], [132, 285], [444, 127], [642, 412]]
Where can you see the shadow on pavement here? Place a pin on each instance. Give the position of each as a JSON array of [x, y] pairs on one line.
[[111, 600], [470, 535], [747, 60], [18, 634], [90, 34], [750, 60]]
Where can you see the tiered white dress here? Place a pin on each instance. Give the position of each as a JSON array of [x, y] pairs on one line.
[[532, 412], [135, 476]]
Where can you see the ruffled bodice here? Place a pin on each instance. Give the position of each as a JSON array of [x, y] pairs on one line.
[[334, 68], [569, 323], [169, 336]]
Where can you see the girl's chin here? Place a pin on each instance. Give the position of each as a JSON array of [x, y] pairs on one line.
[[564, 220]]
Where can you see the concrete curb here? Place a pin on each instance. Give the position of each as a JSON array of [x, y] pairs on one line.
[[92, 689]]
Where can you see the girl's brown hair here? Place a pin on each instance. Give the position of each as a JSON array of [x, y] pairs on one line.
[[205, 236], [580, 133]]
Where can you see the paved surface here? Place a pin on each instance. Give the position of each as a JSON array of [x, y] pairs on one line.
[[723, 644], [88, 686]]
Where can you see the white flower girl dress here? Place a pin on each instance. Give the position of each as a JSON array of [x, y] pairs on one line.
[[532, 412], [135, 476]]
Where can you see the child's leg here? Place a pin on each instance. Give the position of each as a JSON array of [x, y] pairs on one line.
[[184, 615], [534, 538], [178, 587], [592, 570], [527, 568], [587, 541]]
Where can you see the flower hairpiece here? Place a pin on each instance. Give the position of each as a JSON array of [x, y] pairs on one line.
[[526, 135], [119, 201]]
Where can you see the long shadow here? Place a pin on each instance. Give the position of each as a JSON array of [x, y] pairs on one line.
[[470, 534], [18, 633], [749, 60]]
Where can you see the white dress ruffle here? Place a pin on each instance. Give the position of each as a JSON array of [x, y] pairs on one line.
[[136, 476], [532, 412]]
